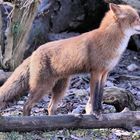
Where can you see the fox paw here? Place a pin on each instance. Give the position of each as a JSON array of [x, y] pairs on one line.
[[97, 114]]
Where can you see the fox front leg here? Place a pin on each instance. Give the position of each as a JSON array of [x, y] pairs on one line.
[[93, 104], [97, 82], [102, 85]]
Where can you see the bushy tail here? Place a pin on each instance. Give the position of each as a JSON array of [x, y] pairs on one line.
[[16, 85]]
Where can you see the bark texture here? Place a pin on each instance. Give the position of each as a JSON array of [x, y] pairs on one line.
[[15, 31], [125, 120]]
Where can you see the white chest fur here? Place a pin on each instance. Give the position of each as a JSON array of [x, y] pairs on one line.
[[119, 51], [123, 44], [113, 62]]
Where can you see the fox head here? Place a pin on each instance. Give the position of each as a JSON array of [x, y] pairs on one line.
[[127, 17]]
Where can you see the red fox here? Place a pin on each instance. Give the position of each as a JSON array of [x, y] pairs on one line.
[[96, 52]]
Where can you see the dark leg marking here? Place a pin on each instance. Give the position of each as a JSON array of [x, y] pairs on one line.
[[96, 97]]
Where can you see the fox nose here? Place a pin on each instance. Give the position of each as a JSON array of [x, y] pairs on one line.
[[139, 15], [138, 20]]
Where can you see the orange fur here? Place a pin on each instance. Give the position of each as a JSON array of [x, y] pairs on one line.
[[16, 85]]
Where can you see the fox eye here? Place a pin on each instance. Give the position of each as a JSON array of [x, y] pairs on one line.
[[137, 19]]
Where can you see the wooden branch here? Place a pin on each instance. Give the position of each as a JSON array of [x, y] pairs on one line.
[[125, 120]]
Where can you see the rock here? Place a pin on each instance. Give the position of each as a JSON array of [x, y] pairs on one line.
[[136, 128], [109, 108], [46, 99], [78, 110], [37, 110], [20, 102], [119, 98], [120, 133], [132, 67], [63, 16], [138, 95], [109, 84], [18, 107], [58, 36], [7, 114]]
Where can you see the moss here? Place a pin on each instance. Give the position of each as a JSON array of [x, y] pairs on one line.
[[13, 136], [16, 29], [87, 134], [136, 135]]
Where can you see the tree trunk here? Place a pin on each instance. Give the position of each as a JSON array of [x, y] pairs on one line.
[[17, 32]]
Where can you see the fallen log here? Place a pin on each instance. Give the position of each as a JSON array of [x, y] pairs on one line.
[[126, 120]]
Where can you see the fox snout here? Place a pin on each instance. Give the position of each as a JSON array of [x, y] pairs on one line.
[[137, 25]]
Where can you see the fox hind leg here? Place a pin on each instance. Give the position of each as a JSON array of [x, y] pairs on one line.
[[57, 94], [36, 94]]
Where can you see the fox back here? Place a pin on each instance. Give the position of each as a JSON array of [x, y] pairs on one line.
[[97, 49]]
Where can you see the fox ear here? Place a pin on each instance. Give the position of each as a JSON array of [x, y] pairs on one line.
[[116, 9]]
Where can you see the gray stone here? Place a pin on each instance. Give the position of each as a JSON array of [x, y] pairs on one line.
[[64, 16], [132, 67]]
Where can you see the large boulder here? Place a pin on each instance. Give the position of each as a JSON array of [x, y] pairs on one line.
[[64, 16]]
